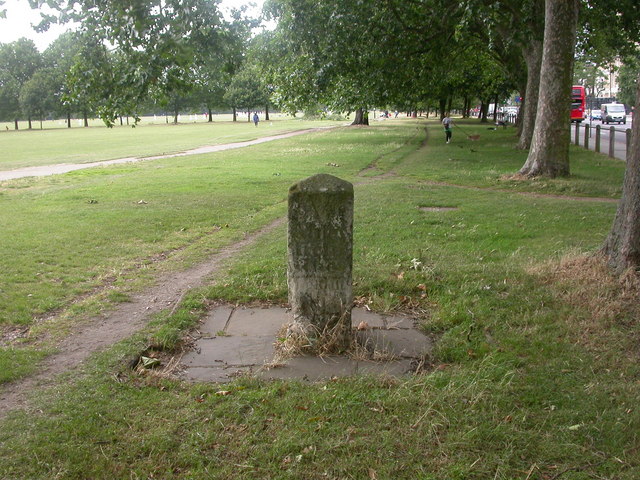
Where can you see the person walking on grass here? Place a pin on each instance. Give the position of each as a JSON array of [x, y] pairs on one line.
[[256, 119], [446, 121]]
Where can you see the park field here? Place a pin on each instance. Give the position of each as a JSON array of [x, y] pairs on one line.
[[535, 371], [55, 144]]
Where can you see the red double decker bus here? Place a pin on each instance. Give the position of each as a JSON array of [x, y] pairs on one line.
[[578, 103]]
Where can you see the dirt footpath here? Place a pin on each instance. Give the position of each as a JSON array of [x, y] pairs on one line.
[[121, 323]]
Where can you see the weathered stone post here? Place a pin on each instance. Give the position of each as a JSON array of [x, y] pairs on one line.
[[320, 257]]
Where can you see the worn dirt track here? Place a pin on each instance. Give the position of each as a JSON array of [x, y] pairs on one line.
[[127, 318], [121, 323]]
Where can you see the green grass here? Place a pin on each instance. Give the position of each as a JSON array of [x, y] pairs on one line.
[[526, 382], [25, 148], [490, 161]]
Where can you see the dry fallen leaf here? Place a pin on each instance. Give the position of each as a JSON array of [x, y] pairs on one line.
[[363, 325]]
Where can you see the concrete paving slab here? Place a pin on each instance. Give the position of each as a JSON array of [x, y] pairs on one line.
[[257, 321], [398, 321], [216, 321], [231, 351], [247, 347], [374, 320], [407, 343]]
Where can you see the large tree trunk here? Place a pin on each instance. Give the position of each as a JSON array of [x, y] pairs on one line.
[[68, 118], [235, 114], [549, 154], [266, 112], [362, 117], [442, 103], [210, 115], [532, 53], [29, 122], [495, 109], [622, 246], [85, 116], [15, 124], [484, 109]]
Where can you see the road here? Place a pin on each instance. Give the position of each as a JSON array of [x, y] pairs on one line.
[[620, 137]]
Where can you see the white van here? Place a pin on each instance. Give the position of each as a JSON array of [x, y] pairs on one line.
[[613, 112]]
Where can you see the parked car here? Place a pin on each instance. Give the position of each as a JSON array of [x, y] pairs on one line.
[[613, 112], [596, 115]]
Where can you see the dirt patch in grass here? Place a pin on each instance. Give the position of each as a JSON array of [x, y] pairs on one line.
[[10, 334]]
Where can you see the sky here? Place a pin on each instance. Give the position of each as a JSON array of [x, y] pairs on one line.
[[20, 17]]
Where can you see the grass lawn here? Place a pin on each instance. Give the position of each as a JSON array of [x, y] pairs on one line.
[[535, 372], [55, 145]]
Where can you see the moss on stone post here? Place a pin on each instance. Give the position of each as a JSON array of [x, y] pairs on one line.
[[320, 257]]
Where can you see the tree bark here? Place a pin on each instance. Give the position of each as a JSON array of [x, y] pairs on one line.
[[484, 108], [235, 115], [29, 122], [15, 124], [266, 112], [362, 117], [210, 115], [532, 53], [549, 154], [622, 246], [495, 109], [86, 118], [68, 118]]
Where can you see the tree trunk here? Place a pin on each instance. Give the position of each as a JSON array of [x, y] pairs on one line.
[[532, 53], [15, 124], [210, 115], [235, 115], [442, 102], [175, 116], [30, 127], [484, 110], [266, 112], [68, 118], [249, 116], [622, 246], [362, 117], [86, 118], [549, 154]]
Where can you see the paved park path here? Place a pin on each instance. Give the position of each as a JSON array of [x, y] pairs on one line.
[[46, 170]]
